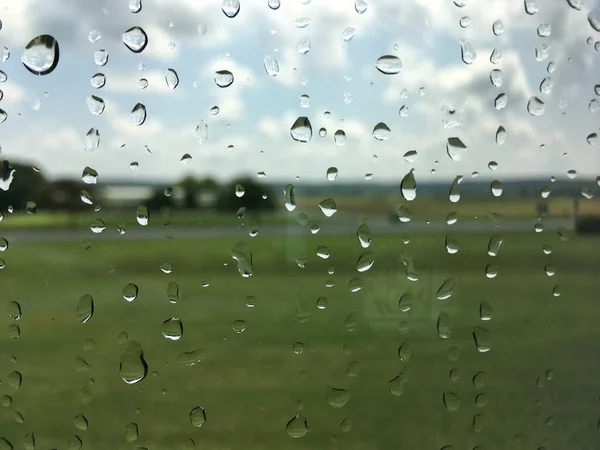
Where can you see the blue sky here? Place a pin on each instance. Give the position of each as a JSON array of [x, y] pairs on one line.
[[257, 111]]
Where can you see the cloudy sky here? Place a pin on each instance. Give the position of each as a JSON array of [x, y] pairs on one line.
[[48, 116]]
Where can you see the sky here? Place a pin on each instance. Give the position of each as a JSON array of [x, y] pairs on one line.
[[48, 116]]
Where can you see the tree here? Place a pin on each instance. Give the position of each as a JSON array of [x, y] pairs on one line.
[[247, 193], [19, 184]]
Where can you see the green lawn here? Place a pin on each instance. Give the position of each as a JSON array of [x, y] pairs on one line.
[[252, 383]]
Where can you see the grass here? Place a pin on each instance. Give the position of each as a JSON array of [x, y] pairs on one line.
[[251, 384]]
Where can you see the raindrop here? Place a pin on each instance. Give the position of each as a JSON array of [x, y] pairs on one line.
[[535, 106], [446, 290], [172, 328], [14, 332], [498, 27], [351, 322], [364, 235], [239, 190], [546, 86], [89, 176], [337, 397], [576, 4], [223, 78], [131, 432], [328, 207], [396, 385], [92, 139], [289, 197], [142, 215], [496, 78], [531, 7], [230, 8], [323, 252], [14, 310], [138, 114], [389, 64], [322, 132], [468, 53], [271, 65], [301, 130], [348, 34], [85, 308], [15, 379], [94, 36], [304, 45], [550, 270], [239, 326], [96, 105], [481, 336], [41, 55], [365, 261], [500, 135], [405, 302], [332, 173], [403, 111], [98, 80], [197, 416], [465, 22], [297, 426], [130, 292], [274, 4], [242, 254], [501, 101], [408, 187], [302, 22], [202, 132], [360, 6], [339, 138], [171, 78], [304, 101], [298, 348], [191, 358], [542, 52], [496, 188], [496, 56], [451, 245], [410, 156], [485, 311], [544, 30], [444, 325], [135, 39], [451, 401], [132, 366], [381, 132], [491, 271], [592, 138], [456, 149], [404, 214], [101, 57], [5, 54], [135, 6], [452, 218]]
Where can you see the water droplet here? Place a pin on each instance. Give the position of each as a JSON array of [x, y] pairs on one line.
[[328, 207], [332, 173], [302, 22], [197, 416], [348, 34], [95, 104], [274, 4], [171, 78], [132, 366], [546, 86], [360, 6], [130, 292], [239, 190], [456, 149], [444, 325], [535, 106], [98, 80], [230, 8], [142, 215], [301, 130], [408, 187], [365, 261], [323, 252], [452, 246], [191, 358], [550, 270], [497, 78], [351, 322], [85, 308], [239, 326], [304, 45], [454, 194], [592, 138], [389, 65], [468, 53], [339, 138], [131, 432], [14, 332], [381, 132], [500, 135], [41, 55], [89, 176], [363, 233], [496, 188], [271, 65], [304, 101], [135, 39], [481, 336], [465, 22], [485, 311], [297, 426], [14, 310], [337, 397], [446, 290], [451, 401], [172, 328], [501, 101], [15, 379], [498, 27], [138, 114], [242, 254], [223, 78], [80, 422], [396, 385], [544, 30], [531, 7]]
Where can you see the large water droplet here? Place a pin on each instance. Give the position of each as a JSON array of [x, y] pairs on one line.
[[485, 311], [98, 80], [531, 7], [171, 79], [535, 106], [304, 45], [131, 432], [468, 53], [446, 290], [332, 173], [337, 397], [328, 207], [197, 416], [451, 401], [501, 101], [361, 6], [454, 193], [456, 149], [289, 197], [444, 325], [365, 261], [85, 308], [242, 254], [135, 39], [89, 176], [408, 187], [271, 65], [130, 292], [339, 138], [381, 132], [297, 426], [172, 328], [594, 19], [95, 104], [41, 55], [389, 64], [223, 78], [363, 233], [135, 6], [142, 215], [14, 310], [301, 130], [496, 188], [132, 366], [230, 8], [138, 114], [481, 336]]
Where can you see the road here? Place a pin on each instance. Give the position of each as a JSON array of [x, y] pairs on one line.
[[138, 232]]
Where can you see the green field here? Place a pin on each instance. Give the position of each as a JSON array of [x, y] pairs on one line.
[[252, 383]]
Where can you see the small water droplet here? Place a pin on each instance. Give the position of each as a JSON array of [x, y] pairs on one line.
[[271, 65], [132, 366], [544, 30], [408, 187], [468, 53], [456, 149], [451, 401], [89, 176], [496, 188], [481, 337], [500, 135], [546, 86], [496, 56], [361, 6], [197, 416], [328, 207], [242, 254], [452, 246], [85, 308], [465, 22], [172, 328], [501, 101], [301, 130], [446, 289], [304, 45], [389, 65], [138, 114], [14, 380], [135, 6], [381, 132], [130, 292], [41, 55], [239, 326], [365, 261], [98, 80], [531, 7], [135, 39], [230, 8], [454, 193], [339, 138], [348, 34], [297, 426], [14, 310], [444, 325], [171, 78], [535, 106], [337, 397]]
